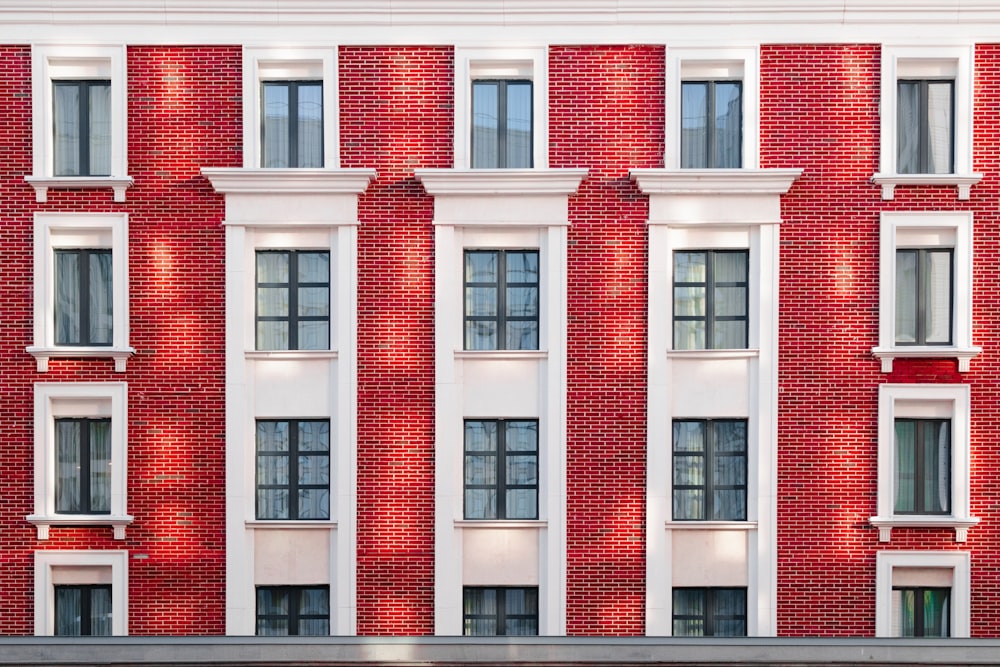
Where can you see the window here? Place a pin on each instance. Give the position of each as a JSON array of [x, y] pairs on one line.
[[501, 463], [83, 466], [83, 611], [920, 612], [925, 126], [501, 123], [293, 610], [293, 469], [710, 612], [500, 611], [293, 300], [501, 299], [923, 466], [924, 296], [711, 124], [710, 299], [82, 115], [710, 470], [292, 124], [84, 297]]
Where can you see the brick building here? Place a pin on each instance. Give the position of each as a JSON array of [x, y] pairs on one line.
[[526, 318]]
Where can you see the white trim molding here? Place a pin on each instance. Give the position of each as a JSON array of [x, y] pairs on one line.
[[957, 564], [82, 567]]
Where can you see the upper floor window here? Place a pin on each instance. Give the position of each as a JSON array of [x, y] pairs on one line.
[[711, 299], [84, 296], [505, 611], [501, 123], [83, 610], [501, 299], [711, 124], [292, 124], [924, 296], [923, 466], [710, 612], [293, 611], [293, 299], [83, 465], [925, 126], [710, 470], [501, 469], [293, 469], [82, 126]]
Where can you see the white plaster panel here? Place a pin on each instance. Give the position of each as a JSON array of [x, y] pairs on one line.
[[294, 207], [698, 209], [291, 557], [710, 387], [710, 558], [500, 557], [499, 209], [292, 388], [500, 387]]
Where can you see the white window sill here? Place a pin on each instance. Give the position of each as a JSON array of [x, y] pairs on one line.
[[711, 525], [714, 354], [501, 354], [280, 355], [963, 354], [43, 184], [288, 523], [117, 522], [963, 182], [886, 524], [500, 524], [43, 354]]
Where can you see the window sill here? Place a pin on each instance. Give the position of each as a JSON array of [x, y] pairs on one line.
[[713, 354], [886, 524], [500, 524], [963, 354], [711, 525], [288, 523], [285, 355], [117, 522], [43, 354], [43, 184], [501, 354], [963, 182]]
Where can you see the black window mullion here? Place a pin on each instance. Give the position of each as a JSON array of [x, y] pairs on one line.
[[501, 299], [293, 124], [293, 300], [83, 266], [84, 146], [710, 124], [502, 123]]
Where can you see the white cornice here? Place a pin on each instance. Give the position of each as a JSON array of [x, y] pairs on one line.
[[715, 181], [472, 182], [288, 181]]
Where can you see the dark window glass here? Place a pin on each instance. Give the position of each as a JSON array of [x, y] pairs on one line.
[[83, 466], [501, 469], [83, 611], [501, 124], [925, 127], [293, 300], [293, 469], [924, 296], [293, 610], [921, 612], [292, 124], [501, 300], [711, 124], [82, 120], [710, 470], [500, 611], [710, 612], [923, 466], [83, 298], [710, 299]]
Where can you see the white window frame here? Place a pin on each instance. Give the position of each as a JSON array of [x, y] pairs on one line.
[[697, 63], [48, 562], [926, 61], [958, 562], [927, 228], [501, 63], [79, 230], [50, 63], [293, 64], [951, 401], [79, 399]]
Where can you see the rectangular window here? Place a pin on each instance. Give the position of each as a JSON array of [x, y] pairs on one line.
[[924, 296], [293, 469], [505, 611], [711, 299], [925, 126], [921, 612], [501, 462], [710, 470], [711, 124], [293, 300], [502, 125], [83, 611], [710, 612], [292, 124], [293, 610], [83, 466], [84, 297], [82, 125], [501, 299], [923, 466]]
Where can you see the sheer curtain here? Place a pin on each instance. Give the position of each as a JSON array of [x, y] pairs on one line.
[[689, 612], [67, 307], [939, 123], [276, 110], [694, 125], [519, 130], [314, 612], [937, 466], [480, 612], [100, 296], [272, 612], [906, 296], [68, 465], [521, 612], [68, 611], [485, 125], [100, 467], [908, 128], [99, 129], [66, 117], [937, 296], [730, 612], [905, 465], [100, 611]]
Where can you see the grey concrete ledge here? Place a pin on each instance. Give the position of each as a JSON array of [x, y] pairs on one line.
[[562, 651]]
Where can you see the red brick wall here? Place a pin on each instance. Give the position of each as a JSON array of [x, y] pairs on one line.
[[396, 116], [606, 115]]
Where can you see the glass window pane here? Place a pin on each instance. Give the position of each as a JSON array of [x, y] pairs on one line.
[[694, 125], [906, 296], [522, 336], [275, 150], [68, 434], [314, 504], [69, 611], [100, 467], [66, 121], [689, 335], [67, 306], [730, 267], [481, 301], [312, 335], [481, 267], [519, 125], [689, 436], [521, 436], [689, 267], [310, 125], [485, 125], [313, 267], [99, 115], [940, 127], [729, 335], [689, 301], [730, 301], [100, 611], [273, 267], [314, 301], [100, 297], [689, 504], [906, 465], [728, 125], [937, 296], [908, 128], [480, 335]]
